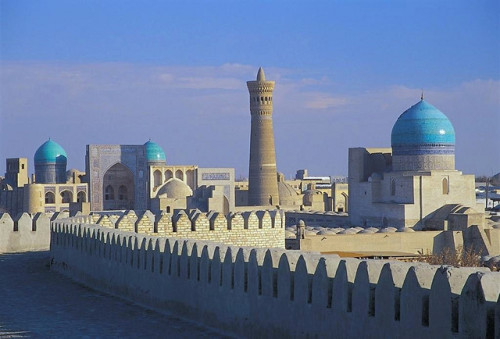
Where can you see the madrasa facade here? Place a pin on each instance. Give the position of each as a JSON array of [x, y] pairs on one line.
[[127, 177], [117, 177]]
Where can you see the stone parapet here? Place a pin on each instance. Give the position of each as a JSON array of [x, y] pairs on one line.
[[255, 228], [245, 290], [24, 232]]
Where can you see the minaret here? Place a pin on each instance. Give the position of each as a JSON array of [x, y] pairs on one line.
[[262, 181]]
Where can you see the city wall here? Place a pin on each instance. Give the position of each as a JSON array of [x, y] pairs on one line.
[[25, 232], [256, 228], [276, 293]]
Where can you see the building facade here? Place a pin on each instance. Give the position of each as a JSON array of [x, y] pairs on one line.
[[51, 189], [413, 183], [126, 177]]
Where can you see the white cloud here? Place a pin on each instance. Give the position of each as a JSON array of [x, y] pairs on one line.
[[323, 100], [200, 114]]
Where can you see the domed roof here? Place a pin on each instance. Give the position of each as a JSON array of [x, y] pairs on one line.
[[422, 129], [154, 153], [286, 190], [495, 180], [50, 152], [175, 189]]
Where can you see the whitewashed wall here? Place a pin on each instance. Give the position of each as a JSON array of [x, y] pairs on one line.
[[276, 293]]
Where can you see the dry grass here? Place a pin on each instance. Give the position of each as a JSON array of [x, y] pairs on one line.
[[449, 256]]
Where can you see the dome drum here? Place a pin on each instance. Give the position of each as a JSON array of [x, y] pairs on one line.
[[50, 163], [154, 153], [424, 149]]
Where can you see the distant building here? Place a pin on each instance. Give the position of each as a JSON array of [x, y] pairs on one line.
[[414, 183], [51, 189], [304, 193], [262, 180], [138, 177]]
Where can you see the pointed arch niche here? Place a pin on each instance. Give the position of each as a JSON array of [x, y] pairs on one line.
[[118, 188]]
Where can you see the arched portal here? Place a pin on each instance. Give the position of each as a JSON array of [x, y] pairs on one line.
[[168, 175], [446, 187], [179, 175], [50, 198], [66, 197], [345, 202], [118, 188], [81, 197], [190, 179], [156, 179]]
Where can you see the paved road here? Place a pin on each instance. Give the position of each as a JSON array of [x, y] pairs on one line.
[[35, 302]]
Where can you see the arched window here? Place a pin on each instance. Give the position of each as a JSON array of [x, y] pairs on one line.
[[190, 179], [81, 197], [179, 175], [168, 175], [109, 193], [50, 198], [393, 187], [66, 197], [122, 193], [446, 186], [156, 178]]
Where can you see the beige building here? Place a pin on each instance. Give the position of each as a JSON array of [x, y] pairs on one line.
[[305, 193], [51, 189], [414, 183], [125, 177]]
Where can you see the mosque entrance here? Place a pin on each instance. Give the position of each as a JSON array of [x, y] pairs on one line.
[[118, 188]]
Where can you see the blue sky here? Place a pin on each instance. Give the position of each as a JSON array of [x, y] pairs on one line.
[[92, 72]]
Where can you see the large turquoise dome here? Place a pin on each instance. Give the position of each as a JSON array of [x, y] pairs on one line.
[[154, 153], [422, 129], [50, 152]]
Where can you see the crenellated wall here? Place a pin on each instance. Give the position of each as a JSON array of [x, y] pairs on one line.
[[25, 232], [256, 228], [273, 293]]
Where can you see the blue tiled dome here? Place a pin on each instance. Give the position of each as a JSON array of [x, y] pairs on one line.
[[154, 153], [50, 152], [422, 129]]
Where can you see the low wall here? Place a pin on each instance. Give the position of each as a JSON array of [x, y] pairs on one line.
[[256, 228], [24, 233], [485, 242], [325, 219], [276, 293], [397, 242]]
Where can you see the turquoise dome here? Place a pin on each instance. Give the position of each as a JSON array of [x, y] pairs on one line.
[[50, 153], [422, 129], [154, 153]]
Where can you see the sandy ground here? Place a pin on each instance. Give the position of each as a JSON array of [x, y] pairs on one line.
[[36, 302]]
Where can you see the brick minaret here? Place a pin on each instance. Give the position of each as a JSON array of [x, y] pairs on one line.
[[262, 181]]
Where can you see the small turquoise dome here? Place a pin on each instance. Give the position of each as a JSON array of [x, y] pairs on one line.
[[422, 129], [50, 153], [154, 153]]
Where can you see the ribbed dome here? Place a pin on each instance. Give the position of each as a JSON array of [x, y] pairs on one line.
[[50, 153], [175, 189], [154, 153], [286, 190], [422, 129]]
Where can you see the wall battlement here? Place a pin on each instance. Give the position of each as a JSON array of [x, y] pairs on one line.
[[256, 228], [276, 293], [25, 232]]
